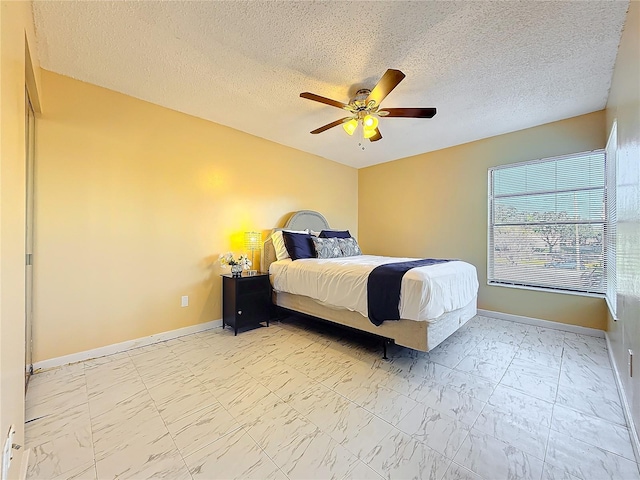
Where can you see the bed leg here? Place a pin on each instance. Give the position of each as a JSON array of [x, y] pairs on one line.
[[384, 349]]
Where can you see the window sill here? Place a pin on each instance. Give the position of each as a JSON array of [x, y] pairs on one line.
[[546, 290]]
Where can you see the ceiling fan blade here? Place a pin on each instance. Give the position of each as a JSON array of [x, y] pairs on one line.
[[376, 137], [388, 82], [409, 112], [325, 100], [331, 125]]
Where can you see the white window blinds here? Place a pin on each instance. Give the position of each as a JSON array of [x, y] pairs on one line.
[[612, 220], [547, 223]]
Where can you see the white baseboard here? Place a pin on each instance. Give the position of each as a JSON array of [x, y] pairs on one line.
[[635, 441], [593, 332], [124, 346]]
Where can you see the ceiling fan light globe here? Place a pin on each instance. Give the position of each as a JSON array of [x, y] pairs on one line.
[[350, 126], [370, 122], [368, 132]]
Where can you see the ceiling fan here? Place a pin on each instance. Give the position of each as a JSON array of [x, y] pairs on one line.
[[365, 107]]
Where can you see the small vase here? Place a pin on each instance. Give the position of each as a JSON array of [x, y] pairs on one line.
[[236, 270]]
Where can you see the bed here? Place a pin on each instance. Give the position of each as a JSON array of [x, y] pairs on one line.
[[430, 322]]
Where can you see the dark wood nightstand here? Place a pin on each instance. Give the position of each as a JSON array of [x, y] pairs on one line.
[[246, 300]]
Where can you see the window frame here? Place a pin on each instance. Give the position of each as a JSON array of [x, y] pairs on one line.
[[611, 225], [491, 234]]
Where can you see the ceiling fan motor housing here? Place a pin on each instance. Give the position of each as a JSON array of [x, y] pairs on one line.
[[359, 104], [361, 96]]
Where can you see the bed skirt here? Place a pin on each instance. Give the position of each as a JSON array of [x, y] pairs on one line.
[[418, 335]]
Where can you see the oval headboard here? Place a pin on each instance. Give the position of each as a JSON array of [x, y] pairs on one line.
[[300, 220], [307, 219]]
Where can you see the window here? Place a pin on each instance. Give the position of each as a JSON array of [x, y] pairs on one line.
[[547, 223], [611, 225]]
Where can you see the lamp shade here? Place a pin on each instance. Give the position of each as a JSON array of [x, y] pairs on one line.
[[252, 240], [370, 122], [350, 126], [368, 132]]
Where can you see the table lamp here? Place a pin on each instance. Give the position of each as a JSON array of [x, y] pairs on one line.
[[252, 243]]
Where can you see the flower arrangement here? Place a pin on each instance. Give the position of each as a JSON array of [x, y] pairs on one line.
[[228, 259]]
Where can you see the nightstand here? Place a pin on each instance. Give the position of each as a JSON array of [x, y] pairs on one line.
[[246, 300]]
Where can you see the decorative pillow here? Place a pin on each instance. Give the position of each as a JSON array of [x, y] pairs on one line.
[[327, 247], [299, 245], [335, 234], [349, 247], [278, 243]]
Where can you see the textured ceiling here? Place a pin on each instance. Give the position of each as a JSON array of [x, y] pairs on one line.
[[489, 67]]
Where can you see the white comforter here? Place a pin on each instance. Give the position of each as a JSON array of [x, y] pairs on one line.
[[426, 292]]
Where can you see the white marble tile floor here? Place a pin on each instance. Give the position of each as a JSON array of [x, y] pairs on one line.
[[301, 400]]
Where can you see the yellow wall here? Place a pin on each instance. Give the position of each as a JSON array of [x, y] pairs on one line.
[[624, 105], [435, 205], [134, 204], [16, 27]]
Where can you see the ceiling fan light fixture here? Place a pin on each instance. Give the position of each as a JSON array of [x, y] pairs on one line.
[[370, 122], [350, 126], [368, 132]]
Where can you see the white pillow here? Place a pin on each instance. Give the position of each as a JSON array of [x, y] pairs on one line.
[[278, 243]]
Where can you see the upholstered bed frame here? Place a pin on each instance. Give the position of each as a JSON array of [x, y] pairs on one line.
[[418, 335]]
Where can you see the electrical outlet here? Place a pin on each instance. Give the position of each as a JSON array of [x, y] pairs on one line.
[[185, 301]]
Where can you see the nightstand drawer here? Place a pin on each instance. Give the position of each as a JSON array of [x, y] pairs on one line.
[[253, 285]]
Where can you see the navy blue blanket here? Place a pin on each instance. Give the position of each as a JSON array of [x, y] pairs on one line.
[[383, 288]]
